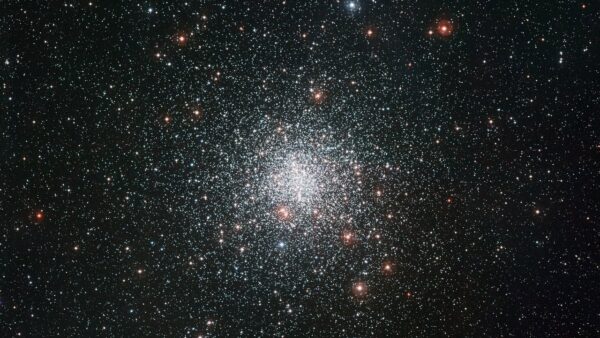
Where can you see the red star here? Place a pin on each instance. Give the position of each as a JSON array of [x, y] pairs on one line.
[[444, 28]]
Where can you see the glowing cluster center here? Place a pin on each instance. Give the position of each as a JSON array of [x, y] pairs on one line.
[[296, 181]]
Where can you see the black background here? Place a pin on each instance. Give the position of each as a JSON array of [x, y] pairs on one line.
[[83, 103]]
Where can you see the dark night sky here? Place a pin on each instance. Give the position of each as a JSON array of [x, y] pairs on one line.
[[328, 168]]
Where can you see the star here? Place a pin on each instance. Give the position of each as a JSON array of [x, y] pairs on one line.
[[283, 213], [318, 96], [359, 289], [38, 216], [388, 267], [443, 28], [348, 237]]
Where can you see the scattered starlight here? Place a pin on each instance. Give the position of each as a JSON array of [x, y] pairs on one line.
[[348, 168]]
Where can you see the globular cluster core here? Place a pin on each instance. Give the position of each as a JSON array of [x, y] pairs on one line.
[[317, 168]]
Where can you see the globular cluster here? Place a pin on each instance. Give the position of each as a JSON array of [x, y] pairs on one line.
[[339, 168]]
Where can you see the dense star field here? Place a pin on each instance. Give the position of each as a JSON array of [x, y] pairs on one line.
[[347, 168]]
